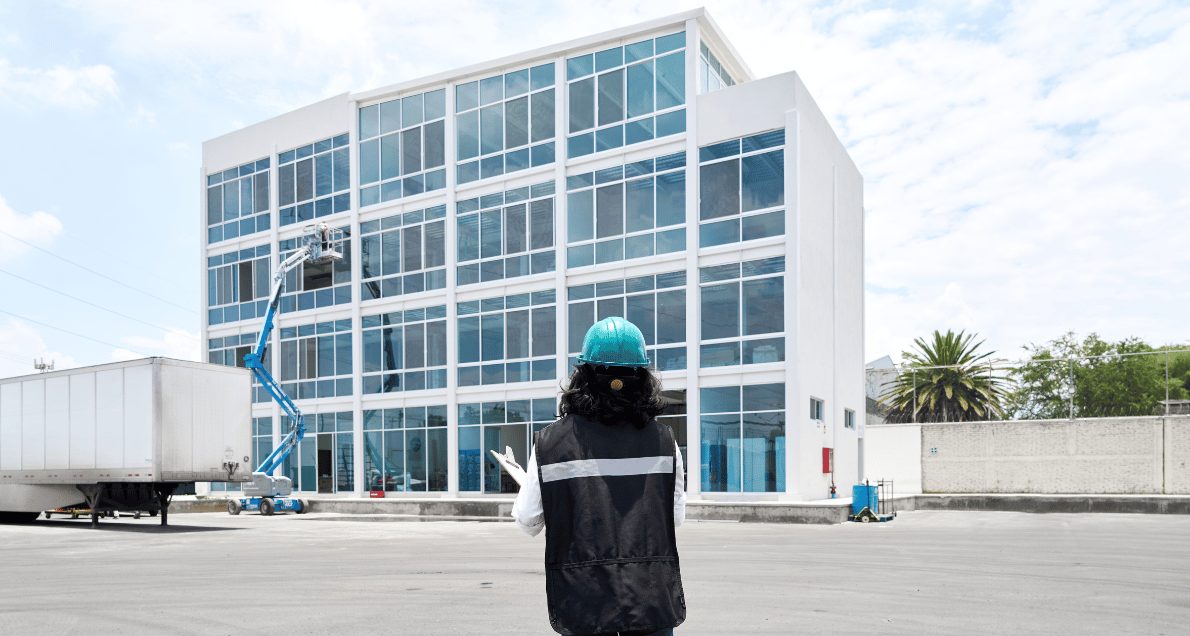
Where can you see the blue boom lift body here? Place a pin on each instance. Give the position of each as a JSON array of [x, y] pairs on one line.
[[266, 492]]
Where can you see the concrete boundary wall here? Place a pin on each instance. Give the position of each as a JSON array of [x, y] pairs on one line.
[[1099, 456]]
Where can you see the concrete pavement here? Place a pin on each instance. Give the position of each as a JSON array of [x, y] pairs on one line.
[[926, 572]]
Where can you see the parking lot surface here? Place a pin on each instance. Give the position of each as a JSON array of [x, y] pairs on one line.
[[925, 572]]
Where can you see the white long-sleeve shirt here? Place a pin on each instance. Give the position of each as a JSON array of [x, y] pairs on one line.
[[529, 514]]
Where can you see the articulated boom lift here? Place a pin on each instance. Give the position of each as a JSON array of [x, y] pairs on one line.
[[267, 492]]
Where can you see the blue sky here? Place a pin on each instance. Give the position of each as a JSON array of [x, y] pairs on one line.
[[1025, 164]]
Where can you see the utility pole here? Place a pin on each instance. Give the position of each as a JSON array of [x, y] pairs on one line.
[[41, 365]]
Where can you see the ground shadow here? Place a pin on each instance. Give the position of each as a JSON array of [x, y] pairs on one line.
[[116, 525]]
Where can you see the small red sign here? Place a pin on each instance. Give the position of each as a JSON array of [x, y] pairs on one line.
[[376, 494]]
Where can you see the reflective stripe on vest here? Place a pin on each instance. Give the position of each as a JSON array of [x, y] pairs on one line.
[[607, 468]]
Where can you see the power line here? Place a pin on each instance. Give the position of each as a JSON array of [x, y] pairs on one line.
[[73, 333], [87, 302], [100, 274]]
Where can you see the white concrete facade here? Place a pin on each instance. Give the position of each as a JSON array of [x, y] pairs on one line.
[[822, 246]]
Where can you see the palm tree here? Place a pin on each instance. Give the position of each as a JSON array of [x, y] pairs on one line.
[[946, 380]]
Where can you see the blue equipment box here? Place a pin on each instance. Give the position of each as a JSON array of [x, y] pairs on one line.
[[864, 496]]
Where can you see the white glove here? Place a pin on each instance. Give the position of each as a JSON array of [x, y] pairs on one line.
[[508, 462]]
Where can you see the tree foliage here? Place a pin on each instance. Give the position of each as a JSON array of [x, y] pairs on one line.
[[1099, 378], [945, 379]]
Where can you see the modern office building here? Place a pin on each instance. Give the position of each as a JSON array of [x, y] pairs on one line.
[[494, 212]]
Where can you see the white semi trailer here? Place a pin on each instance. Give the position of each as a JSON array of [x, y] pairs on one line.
[[120, 436]]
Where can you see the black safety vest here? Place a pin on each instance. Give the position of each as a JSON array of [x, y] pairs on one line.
[[611, 559]]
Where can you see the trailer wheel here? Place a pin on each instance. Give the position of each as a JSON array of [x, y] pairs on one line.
[[266, 507], [136, 515], [233, 506], [152, 513]]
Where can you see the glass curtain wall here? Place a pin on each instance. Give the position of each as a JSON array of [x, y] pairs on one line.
[[238, 285], [743, 438], [405, 350], [655, 303], [402, 148], [506, 234], [742, 189], [507, 339], [624, 212], [238, 201], [403, 253], [743, 312], [494, 426], [313, 180], [315, 360], [626, 94], [405, 449], [316, 285], [505, 123]]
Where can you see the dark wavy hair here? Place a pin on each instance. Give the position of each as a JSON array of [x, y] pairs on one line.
[[590, 393]]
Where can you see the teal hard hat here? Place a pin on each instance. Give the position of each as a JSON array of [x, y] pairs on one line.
[[614, 342]]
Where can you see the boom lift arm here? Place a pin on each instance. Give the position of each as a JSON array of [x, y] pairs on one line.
[[267, 492]]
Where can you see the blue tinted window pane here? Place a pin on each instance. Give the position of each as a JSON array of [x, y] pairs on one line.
[[671, 81], [491, 126], [435, 104], [638, 131], [671, 317], [719, 150], [580, 145], [769, 139], [764, 452], [466, 96], [671, 198], [390, 156], [640, 89], [582, 105], [764, 225], [580, 256], [764, 397], [763, 179], [541, 76], [609, 58], [720, 399], [720, 355], [609, 210], [671, 241], [764, 350], [611, 97], [639, 205], [390, 116], [492, 336], [638, 51], [609, 138], [411, 110], [369, 121], [369, 169], [609, 251], [719, 189], [469, 457], [468, 134], [720, 453], [638, 246], [671, 123], [764, 306], [721, 233], [516, 83], [671, 42], [580, 66], [720, 311], [468, 340], [580, 213], [468, 172], [542, 115]]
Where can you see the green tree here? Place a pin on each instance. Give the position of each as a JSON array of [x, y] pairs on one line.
[[945, 379], [1099, 378]]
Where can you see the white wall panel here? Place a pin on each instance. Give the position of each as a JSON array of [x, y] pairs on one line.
[[57, 422]]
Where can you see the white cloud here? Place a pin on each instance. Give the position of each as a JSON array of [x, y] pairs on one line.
[[74, 88], [20, 344], [38, 228], [1025, 163], [177, 343]]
